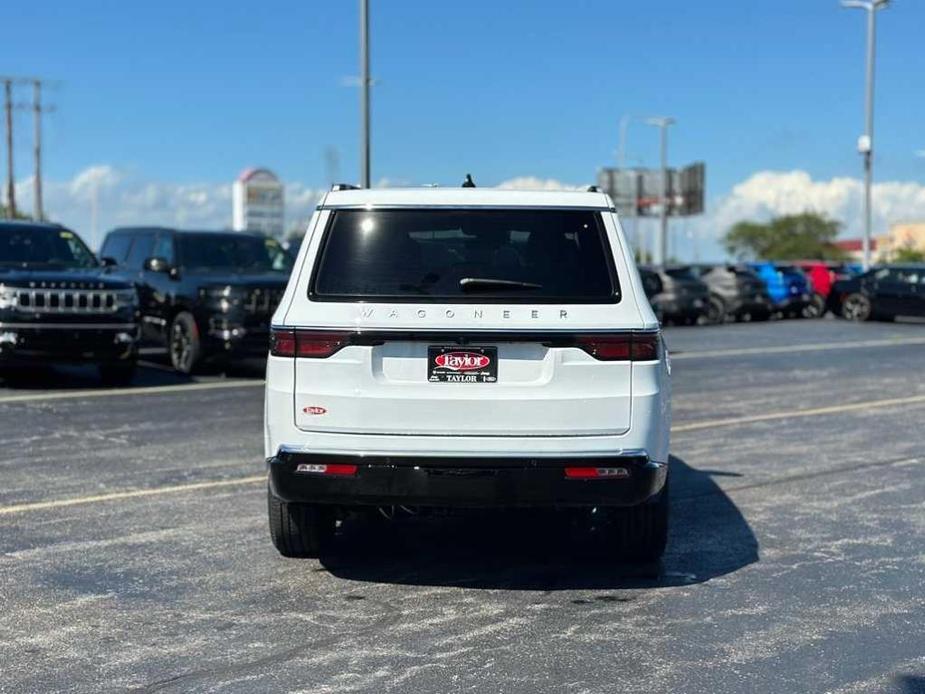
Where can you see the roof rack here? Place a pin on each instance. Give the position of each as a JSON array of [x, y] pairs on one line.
[[344, 186]]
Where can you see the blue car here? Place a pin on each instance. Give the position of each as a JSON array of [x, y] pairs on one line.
[[787, 286]]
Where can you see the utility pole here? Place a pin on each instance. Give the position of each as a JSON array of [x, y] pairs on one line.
[[37, 212], [866, 141], [10, 184], [364, 93], [662, 123]]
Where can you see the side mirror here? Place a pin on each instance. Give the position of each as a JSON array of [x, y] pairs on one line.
[[106, 261], [157, 265]]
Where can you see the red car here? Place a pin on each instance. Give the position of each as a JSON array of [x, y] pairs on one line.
[[822, 274]]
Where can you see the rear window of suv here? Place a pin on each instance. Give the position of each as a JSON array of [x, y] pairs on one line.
[[484, 255]]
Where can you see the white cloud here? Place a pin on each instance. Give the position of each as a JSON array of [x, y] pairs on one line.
[[534, 183], [768, 193], [121, 198]]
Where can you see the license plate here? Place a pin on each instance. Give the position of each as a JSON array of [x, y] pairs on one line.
[[462, 364]]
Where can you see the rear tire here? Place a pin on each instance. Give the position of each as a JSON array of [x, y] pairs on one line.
[[300, 530], [815, 308], [183, 343], [117, 373], [857, 307], [640, 533], [716, 311]]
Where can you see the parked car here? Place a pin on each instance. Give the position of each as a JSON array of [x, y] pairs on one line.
[[467, 348], [822, 275], [203, 294], [59, 304], [652, 287], [787, 286], [880, 294], [736, 293], [684, 298]]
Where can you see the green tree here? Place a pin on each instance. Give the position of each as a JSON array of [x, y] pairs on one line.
[[806, 236], [909, 254]]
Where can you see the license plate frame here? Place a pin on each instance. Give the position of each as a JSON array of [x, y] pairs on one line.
[[462, 365]]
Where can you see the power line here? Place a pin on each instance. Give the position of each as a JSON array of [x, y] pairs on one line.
[[37, 108]]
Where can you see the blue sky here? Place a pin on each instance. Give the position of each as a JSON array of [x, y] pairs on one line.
[[191, 92]]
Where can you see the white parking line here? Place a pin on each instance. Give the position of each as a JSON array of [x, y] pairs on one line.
[[693, 426], [114, 392], [796, 414], [131, 494], [789, 349]]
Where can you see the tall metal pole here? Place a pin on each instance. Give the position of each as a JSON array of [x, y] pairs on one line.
[[869, 131], [866, 143], [661, 245], [364, 92], [38, 212], [10, 185]]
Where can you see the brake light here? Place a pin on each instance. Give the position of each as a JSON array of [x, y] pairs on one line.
[[282, 342], [318, 345], [311, 344], [629, 347]]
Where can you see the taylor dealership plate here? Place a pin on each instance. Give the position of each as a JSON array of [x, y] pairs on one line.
[[462, 364]]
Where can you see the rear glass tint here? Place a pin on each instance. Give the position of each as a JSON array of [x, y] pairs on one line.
[[530, 256]]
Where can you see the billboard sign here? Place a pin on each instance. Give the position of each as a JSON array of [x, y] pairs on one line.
[[639, 191]]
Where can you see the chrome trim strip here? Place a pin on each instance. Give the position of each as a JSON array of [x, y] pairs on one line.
[[468, 329], [534, 208], [624, 453], [70, 326]]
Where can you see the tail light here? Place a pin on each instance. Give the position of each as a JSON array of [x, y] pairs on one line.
[[337, 469], [596, 473], [311, 344], [629, 347]]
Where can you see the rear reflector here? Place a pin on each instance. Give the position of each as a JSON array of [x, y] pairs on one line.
[[630, 347], [595, 473], [329, 469], [311, 344]]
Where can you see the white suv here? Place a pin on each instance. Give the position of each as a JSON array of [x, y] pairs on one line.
[[466, 348]]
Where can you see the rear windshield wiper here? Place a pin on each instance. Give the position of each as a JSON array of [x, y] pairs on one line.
[[474, 284]]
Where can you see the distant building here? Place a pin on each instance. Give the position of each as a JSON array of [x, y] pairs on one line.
[[909, 235], [258, 204], [854, 248]]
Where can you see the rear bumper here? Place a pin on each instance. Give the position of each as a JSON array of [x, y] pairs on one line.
[[464, 482]]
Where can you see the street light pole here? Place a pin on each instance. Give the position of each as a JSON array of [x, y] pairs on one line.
[[364, 92], [866, 142], [662, 122]]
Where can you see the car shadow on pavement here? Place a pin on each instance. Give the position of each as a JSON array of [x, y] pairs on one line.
[[709, 537]]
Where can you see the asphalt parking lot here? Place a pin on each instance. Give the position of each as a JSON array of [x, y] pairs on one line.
[[134, 552]]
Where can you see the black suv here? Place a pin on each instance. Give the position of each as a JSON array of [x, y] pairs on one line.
[[736, 293], [682, 297], [59, 304], [203, 293], [880, 294]]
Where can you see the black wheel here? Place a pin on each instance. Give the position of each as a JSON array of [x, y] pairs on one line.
[[117, 373], [300, 530], [856, 307], [815, 308], [640, 532], [716, 311], [184, 344]]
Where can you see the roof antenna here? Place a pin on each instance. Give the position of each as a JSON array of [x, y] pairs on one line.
[[468, 183]]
